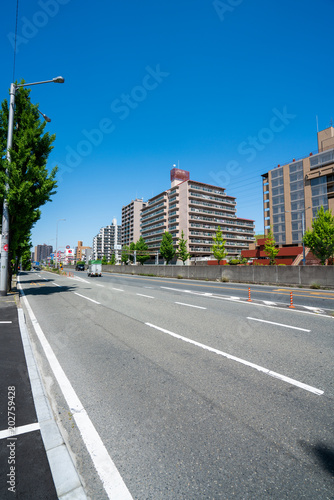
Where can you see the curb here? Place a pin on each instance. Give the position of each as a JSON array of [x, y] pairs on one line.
[[65, 476]]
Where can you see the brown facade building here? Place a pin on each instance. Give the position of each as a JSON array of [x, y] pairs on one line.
[[197, 209], [131, 221], [293, 193], [80, 251]]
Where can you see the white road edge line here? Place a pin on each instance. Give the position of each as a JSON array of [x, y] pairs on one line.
[[142, 295], [105, 467], [57, 284], [84, 297], [190, 305], [5, 322], [23, 429], [278, 324], [289, 380]]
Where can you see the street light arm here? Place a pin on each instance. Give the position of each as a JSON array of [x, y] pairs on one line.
[[58, 79]]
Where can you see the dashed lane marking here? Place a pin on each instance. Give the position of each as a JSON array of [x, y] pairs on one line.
[[271, 373]]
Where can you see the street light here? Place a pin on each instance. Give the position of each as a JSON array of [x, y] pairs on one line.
[[57, 242], [303, 232], [5, 214]]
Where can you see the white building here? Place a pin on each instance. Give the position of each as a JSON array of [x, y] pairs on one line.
[[106, 243]]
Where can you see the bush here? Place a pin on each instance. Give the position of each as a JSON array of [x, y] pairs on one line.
[[315, 286], [225, 279]]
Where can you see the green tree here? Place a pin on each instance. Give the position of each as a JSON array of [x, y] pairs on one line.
[[132, 249], [320, 240], [30, 184], [142, 251], [218, 248], [167, 249], [270, 248], [112, 260], [104, 260], [182, 249], [125, 254]]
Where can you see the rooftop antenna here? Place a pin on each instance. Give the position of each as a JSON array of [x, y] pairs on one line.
[[331, 122], [317, 123]]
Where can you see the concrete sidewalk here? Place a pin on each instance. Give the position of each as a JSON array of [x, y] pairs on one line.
[[34, 461]]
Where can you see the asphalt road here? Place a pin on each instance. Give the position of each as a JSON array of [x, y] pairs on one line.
[[189, 395], [318, 299]]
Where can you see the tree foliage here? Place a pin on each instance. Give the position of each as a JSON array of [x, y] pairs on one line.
[[218, 248], [125, 254], [320, 240], [30, 184], [167, 249], [113, 260], [104, 260], [141, 251], [182, 253], [270, 248]]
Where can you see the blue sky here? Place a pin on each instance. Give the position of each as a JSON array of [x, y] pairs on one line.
[[225, 89]]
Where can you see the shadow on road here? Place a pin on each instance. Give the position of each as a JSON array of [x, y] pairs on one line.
[[46, 290], [323, 454]]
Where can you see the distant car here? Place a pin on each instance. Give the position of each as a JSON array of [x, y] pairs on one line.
[[80, 267]]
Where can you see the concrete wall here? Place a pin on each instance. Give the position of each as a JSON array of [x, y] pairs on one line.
[[284, 275]]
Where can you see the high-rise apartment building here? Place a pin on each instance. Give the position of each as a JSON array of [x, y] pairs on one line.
[[294, 192], [42, 252], [197, 209], [131, 221], [106, 242]]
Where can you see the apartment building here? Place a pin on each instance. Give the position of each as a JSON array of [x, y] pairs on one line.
[[42, 252], [80, 253], [294, 192], [108, 241], [131, 221], [197, 209]]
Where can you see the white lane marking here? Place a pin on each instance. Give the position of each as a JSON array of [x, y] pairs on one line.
[[105, 467], [278, 324], [56, 284], [314, 309], [5, 322], [289, 380], [97, 284], [39, 275], [269, 303], [77, 278], [189, 305], [142, 295], [84, 297], [118, 289], [234, 298], [23, 429], [174, 289]]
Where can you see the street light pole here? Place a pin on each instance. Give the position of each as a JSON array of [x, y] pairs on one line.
[[5, 213], [303, 233], [57, 243]]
